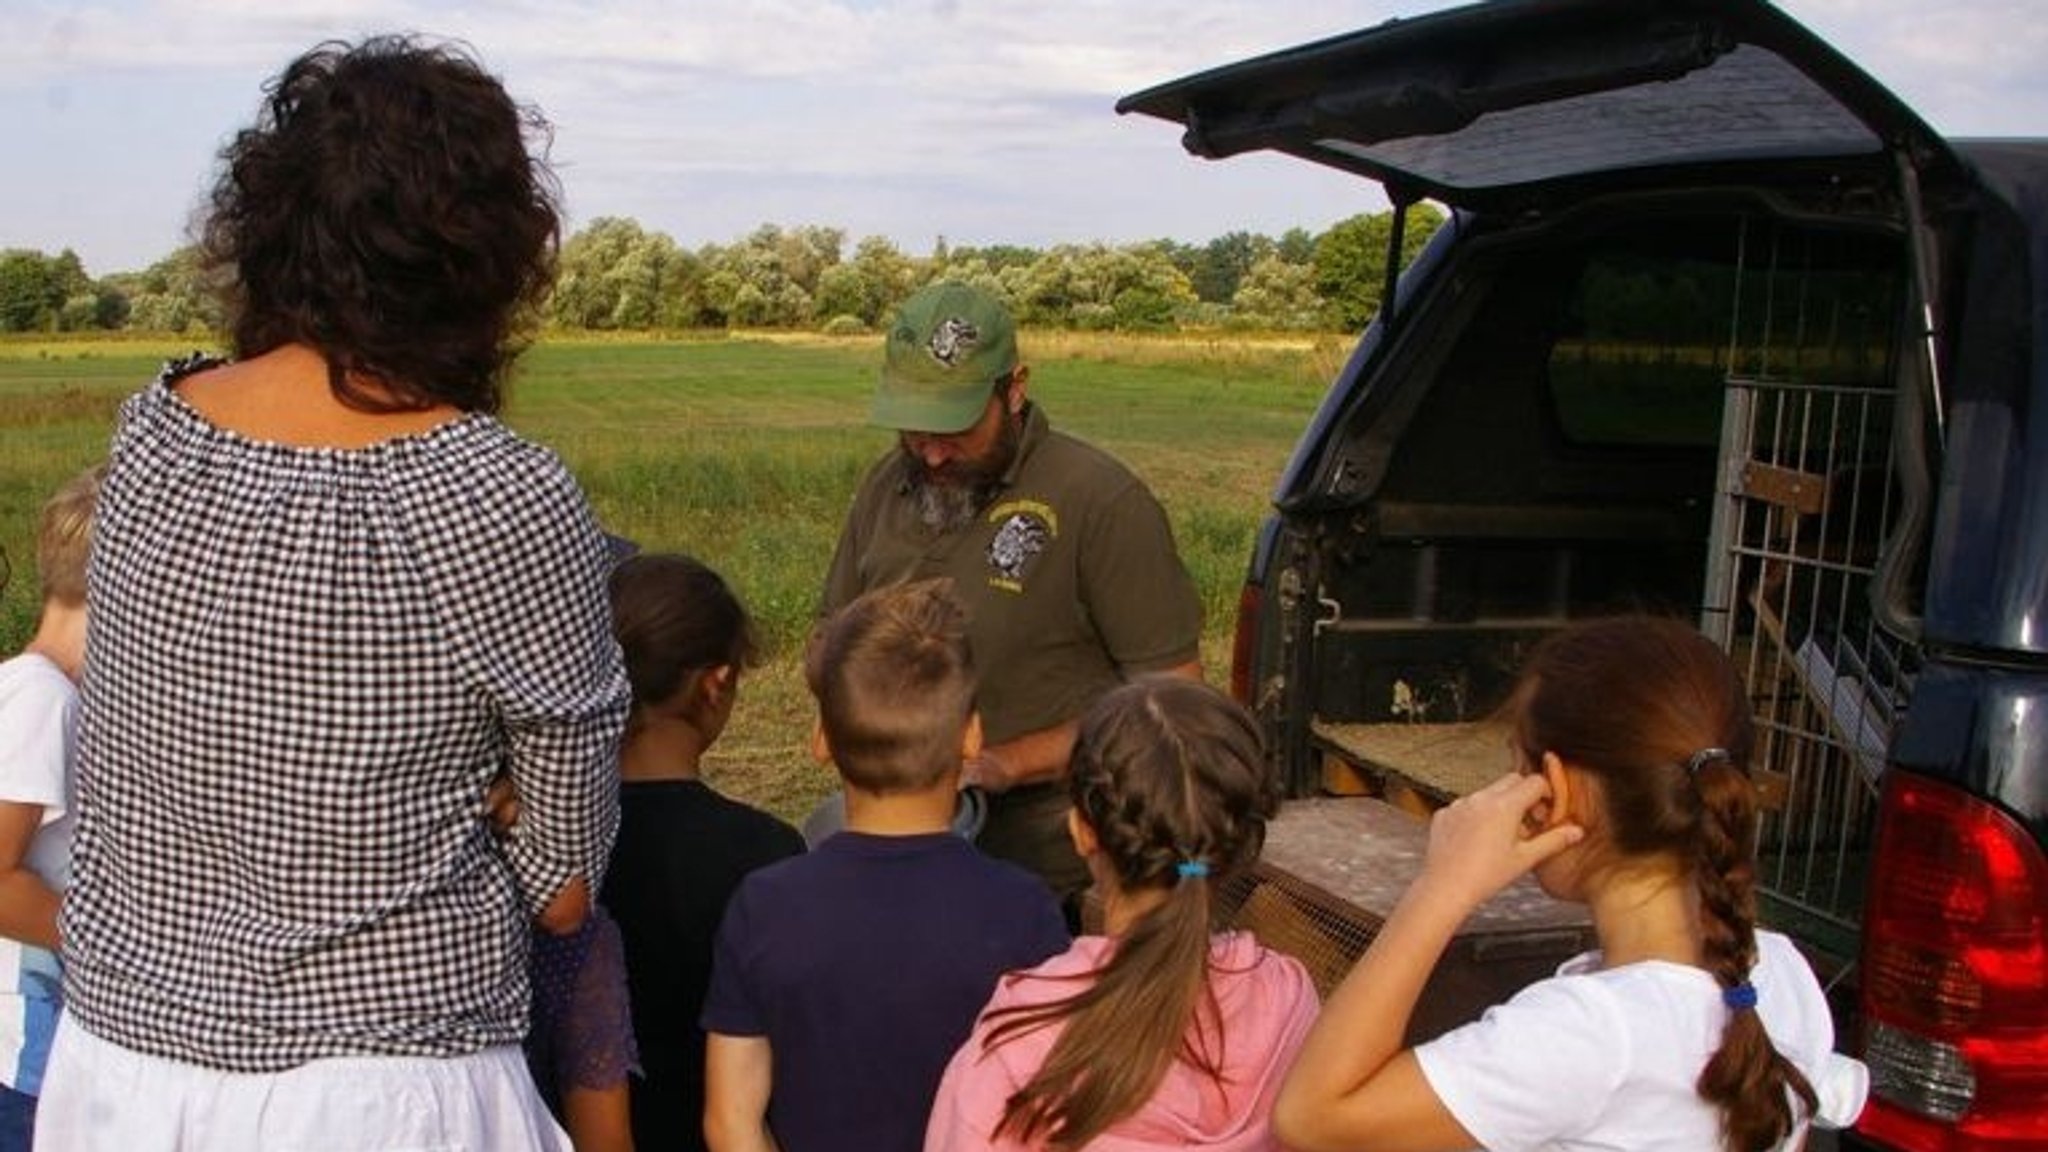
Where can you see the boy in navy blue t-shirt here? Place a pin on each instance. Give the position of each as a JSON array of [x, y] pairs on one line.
[[843, 980]]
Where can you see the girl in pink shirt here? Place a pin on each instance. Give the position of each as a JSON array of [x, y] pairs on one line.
[[1157, 1034]]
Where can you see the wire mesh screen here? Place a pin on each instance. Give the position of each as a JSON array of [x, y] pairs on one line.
[[1328, 933], [1334, 868], [1809, 492], [1289, 915]]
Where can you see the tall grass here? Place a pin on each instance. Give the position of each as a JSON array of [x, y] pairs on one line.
[[745, 451]]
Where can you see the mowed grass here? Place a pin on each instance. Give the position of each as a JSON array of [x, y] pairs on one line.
[[745, 451]]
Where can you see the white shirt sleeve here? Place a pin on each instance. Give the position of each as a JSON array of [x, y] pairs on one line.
[[1533, 1069], [38, 728], [1795, 1013]]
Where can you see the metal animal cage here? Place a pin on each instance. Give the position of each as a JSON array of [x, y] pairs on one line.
[[1808, 493]]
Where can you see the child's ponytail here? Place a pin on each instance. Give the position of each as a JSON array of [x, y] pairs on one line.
[[1171, 776], [1746, 1078], [1123, 1031]]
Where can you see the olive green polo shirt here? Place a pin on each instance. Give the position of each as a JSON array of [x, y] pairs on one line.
[[1070, 577]]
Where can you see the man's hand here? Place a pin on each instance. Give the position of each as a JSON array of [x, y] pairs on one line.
[[986, 772], [1034, 758], [1039, 757]]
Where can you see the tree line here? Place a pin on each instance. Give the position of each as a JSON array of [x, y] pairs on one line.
[[616, 275]]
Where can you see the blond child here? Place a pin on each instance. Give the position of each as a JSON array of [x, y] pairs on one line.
[[842, 980], [38, 723]]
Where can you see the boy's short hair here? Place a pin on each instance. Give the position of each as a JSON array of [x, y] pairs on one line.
[[894, 680], [64, 537]]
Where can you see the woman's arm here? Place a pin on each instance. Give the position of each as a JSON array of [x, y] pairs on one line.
[[564, 913], [566, 909], [536, 638], [1354, 1087]]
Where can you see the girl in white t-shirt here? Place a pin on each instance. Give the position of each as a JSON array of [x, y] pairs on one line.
[[1687, 1029]]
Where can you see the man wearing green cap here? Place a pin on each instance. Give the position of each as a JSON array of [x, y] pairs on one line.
[[1064, 559]]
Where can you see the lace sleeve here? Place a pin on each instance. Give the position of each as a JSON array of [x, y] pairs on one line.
[[582, 1018]]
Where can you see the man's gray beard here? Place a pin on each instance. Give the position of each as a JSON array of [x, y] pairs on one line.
[[949, 507], [952, 504]]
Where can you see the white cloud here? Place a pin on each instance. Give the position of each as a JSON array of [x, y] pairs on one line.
[[986, 120], [1969, 67]]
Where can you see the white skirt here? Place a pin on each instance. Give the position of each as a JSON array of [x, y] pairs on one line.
[[102, 1097]]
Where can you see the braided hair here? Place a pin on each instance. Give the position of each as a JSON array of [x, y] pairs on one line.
[[1171, 775], [1657, 714]]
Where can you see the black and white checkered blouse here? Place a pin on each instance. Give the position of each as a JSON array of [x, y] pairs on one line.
[[304, 666]]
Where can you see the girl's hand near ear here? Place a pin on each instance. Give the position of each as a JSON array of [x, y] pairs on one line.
[[1482, 842], [1354, 1085]]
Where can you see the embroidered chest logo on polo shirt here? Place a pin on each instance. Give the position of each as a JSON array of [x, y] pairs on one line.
[[1024, 529]]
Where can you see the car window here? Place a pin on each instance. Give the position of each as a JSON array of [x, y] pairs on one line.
[[1659, 321]]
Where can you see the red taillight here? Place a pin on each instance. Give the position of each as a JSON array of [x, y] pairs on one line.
[[1244, 643], [1955, 975]]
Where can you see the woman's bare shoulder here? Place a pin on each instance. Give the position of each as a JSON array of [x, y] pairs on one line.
[[283, 396]]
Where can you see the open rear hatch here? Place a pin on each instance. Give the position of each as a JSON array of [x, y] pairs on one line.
[[1511, 103], [1657, 402]]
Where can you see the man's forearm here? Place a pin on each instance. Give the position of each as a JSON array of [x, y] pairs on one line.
[[1039, 757]]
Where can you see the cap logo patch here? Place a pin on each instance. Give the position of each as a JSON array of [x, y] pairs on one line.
[[952, 338]]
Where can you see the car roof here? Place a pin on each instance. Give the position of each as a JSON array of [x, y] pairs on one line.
[[1512, 101]]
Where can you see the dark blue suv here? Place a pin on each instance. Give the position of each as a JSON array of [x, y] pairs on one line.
[[1716, 326]]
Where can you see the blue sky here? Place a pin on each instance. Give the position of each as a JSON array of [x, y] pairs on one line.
[[980, 121]]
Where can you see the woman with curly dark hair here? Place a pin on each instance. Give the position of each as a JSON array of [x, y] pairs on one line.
[[331, 598]]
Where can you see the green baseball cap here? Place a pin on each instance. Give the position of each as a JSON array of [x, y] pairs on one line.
[[946, 349]]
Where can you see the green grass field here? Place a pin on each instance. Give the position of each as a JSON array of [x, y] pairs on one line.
[[745, 452]]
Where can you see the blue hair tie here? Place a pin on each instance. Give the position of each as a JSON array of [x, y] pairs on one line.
[[1740, 998], [1189, 868]]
